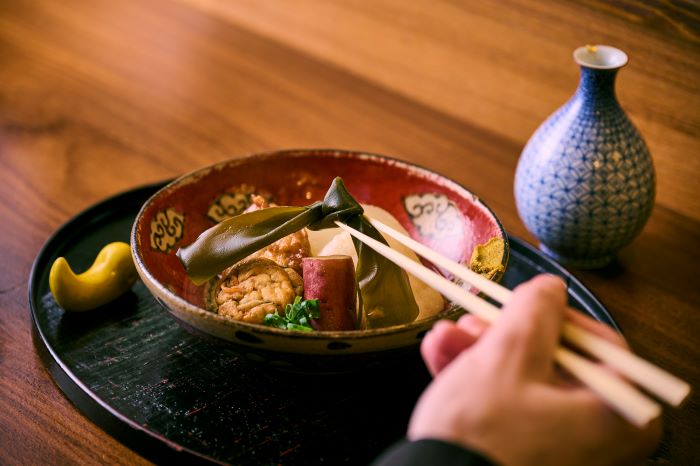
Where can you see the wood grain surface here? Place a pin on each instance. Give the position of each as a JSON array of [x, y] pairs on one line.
[[101, 96]]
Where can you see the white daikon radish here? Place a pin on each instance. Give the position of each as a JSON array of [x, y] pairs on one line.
[[429, 301]]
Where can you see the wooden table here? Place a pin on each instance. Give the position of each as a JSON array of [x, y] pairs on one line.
[[101, 96]]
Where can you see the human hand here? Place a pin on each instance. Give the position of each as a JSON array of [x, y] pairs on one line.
[[496, 390]]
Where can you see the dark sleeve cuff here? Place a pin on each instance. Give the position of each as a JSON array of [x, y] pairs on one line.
[[430, 452]]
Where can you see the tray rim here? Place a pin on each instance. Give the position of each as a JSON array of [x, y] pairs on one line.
[[573, 284], [156, 447], [152, 446]]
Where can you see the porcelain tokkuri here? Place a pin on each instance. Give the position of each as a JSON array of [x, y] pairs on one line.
[[585, 182]]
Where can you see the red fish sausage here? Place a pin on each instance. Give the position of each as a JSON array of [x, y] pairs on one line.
[[331, 280]]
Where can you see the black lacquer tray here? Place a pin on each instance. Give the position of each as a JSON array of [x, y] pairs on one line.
[[175, 398]]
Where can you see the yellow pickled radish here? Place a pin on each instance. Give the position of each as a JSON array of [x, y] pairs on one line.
[[110, 276]]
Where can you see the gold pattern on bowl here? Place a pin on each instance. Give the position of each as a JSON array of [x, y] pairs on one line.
[[167, 229]]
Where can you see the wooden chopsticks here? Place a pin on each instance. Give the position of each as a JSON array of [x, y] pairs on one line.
[[654, 379], [619, 395]]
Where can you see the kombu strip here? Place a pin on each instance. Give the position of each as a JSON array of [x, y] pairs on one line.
[[384, 291]]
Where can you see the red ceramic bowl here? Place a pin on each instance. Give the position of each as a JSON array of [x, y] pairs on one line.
[[434, 209]]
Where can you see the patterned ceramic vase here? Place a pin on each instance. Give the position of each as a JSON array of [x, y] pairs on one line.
[[585, 182]]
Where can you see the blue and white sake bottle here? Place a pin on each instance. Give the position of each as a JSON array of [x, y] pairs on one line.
[[585, 182]]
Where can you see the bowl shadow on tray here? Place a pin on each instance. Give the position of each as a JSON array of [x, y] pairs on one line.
[[346, 418], [322, 365], [390, 385]]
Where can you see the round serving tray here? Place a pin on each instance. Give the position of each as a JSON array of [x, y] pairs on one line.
[[174, 397]]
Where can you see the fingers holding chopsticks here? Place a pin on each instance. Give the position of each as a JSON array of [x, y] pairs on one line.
[[448, 339], [530, 331], [500, 383], [530, 326], [618, 394]]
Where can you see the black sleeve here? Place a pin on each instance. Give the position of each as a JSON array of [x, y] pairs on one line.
[[430, 452]]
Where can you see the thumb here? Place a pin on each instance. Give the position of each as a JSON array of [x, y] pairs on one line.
[[529, 328]]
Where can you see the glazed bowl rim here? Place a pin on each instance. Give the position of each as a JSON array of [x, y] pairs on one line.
[[156, 287]]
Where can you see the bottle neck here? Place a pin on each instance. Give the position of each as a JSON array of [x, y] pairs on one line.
[[597, 87]]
